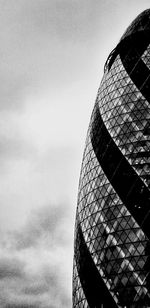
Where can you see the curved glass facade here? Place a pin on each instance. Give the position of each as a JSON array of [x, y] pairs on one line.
[[112, 230]]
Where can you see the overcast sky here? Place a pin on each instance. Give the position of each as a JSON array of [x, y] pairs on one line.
[[52, 54]]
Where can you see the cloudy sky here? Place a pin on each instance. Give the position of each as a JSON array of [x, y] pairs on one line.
[[52, 54]]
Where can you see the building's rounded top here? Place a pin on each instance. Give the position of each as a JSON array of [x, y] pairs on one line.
[[136, 34], [140, 24]]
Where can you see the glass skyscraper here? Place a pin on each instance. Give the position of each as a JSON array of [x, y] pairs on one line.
[[112, 230]]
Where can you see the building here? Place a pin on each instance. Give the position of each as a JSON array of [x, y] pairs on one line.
[[112, 230]]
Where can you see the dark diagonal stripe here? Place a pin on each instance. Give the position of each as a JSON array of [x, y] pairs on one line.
[[130, 55], [94, 288], [128, 185]]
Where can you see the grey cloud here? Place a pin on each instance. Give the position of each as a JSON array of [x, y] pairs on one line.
[[20, 306], [39, 40], [15, 148], [55, 17], [11, 268], [47, 225], [61, 18], [45, 281], [44, 287], [36, 289], [40, 290], [12, 89]]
